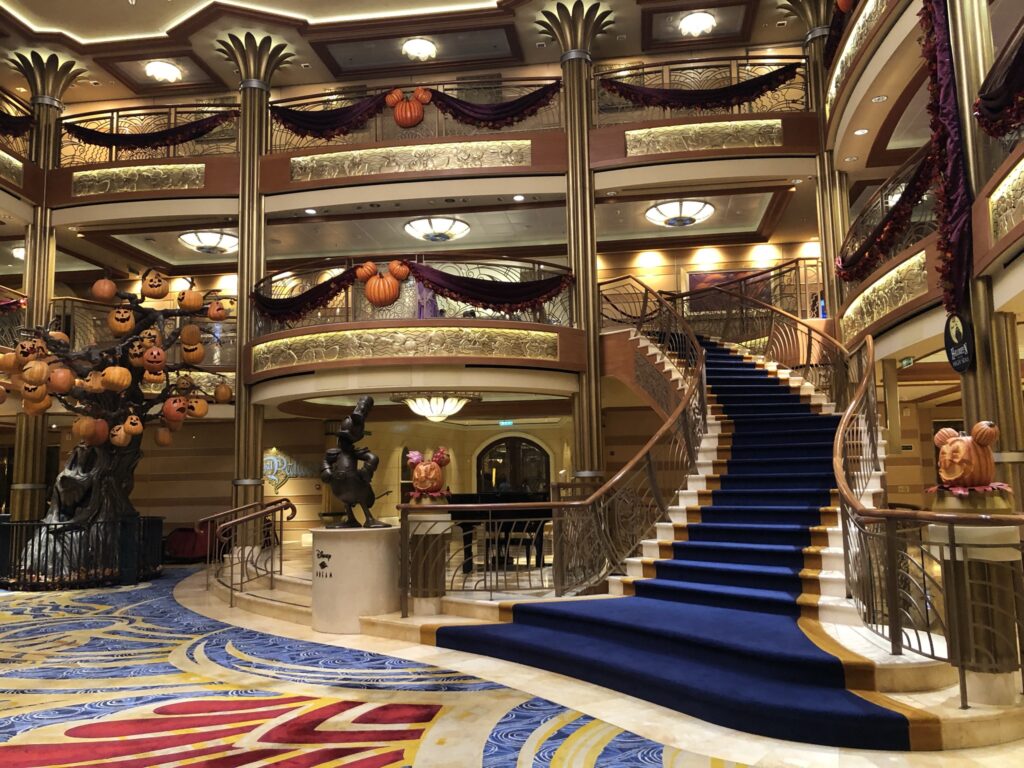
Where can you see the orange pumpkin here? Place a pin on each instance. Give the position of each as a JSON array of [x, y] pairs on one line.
[[59, 336], [153, 378], [365, 271], [9, 363], [104, 289], [133, 425], [193, 354], [155, 285], [33, 393], [190, 334], [154, 359], [175, 409], [83, 427], [27, 351], [398, 269], [427, 477], [116, 379], [844, 5], [163, 437], [38, 407], [422, 95], [964, 461], [100, 433], [121, 320], [394, 97], [136, 352], [382, 290], [408, 113], [222, 393], [35, 372], [150, 337], [61, 380], [119, 437], [197, 408], [217, 311], [190, 301]]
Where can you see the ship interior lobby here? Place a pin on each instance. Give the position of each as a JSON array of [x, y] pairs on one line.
[[505, 383]]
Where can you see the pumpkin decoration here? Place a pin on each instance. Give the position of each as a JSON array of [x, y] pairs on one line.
[[121, 320], [154, 285], [394, 97], [150, 337], [193, 354], [119, 437], [59, 336], [61, 380], [217, 311], [27, 351], [190, 300], [365, 271], [83, 427], [184, 384], [222, 393], [93, 382], [156, 377], [967, 462], [163, 437], [154, 359], [33, 393], [398, 269], [427, 475], [35, 372], [133, 425], [844, 5], [175, 408], [36, 408], [136, 351], [197, 408], [382, 290], [100, 433], [422, 95], [190, 334], [9, 362], [408, 113], [104, 289], [116, 378]]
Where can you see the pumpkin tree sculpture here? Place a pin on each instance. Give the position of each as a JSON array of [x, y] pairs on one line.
[[119, 390]]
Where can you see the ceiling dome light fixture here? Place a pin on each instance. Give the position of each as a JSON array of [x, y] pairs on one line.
[[697, 24], [419, 49], [437, 406], [208, 241], [679, 213], [164, 71], [437, 229], [18, 252]]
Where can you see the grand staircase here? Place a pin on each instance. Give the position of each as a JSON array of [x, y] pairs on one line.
[[719, 619]]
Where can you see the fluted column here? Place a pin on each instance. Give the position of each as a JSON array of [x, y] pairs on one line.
[[257, 59], [48, 78], [575, 29]]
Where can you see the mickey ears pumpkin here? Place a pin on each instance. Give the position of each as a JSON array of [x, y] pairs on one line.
[[944, 435], [985, 433]]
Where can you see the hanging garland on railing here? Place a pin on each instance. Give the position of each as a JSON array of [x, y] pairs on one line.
[[15, 126], [297, 307], [11, 305], [328, 123], [495, 116], [1000, 105], [169, 137], [891, 228], [954, 199], [703, 98]]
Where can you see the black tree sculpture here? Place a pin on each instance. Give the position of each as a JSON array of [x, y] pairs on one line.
[[349, 482], [105, 386]]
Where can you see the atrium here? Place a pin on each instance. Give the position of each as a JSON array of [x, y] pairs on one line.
[[569, 383]]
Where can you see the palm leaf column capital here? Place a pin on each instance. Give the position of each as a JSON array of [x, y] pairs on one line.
[[814, 14], [257, 59], [48, 77], [575, 28]]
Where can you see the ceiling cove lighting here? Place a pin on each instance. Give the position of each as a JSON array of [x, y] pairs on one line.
[[438, 406], [437, 229], [163, 71], [697, 24], [419, 49], [679, 213], [18, 252], [210, 242]]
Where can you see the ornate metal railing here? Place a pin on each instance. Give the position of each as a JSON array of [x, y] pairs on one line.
[[245, 544], [922, 220], [17, 146], [697, 74], [945, 585], [570, 545], [414, 302], [221, 141], [40, 555], [436, 124], [11, 322]]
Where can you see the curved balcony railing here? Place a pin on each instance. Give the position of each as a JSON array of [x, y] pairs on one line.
[[12, 320], [414, 302], [436, 124], [14, 145], [697, 74], [221, 141]]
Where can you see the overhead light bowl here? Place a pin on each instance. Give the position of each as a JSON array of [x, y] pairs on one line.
[[18, 252], [679, 213], [164, 71], [437, 229], [697, 24], [436, 406], [210, 242], [419, 49]]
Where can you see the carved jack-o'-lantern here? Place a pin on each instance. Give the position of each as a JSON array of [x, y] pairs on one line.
[[964, 461], [190, 301], [427, 477], [154, 359], [150, 337], [35, 372], [33, 393], [133, 425], [382, 290], [175, 409], [154, 377], [121, 320], [184, 384], [116, 379], [37, 407], [197, 407], [217, 311], [135, 352], [193, 354], [118, 436], [190, 334], [154, 285], [27, 351], [61, 380]]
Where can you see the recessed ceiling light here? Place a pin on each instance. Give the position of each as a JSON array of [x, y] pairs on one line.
[[305, 65], [310, 211], [879, 99], [851, 159], [419, 49], [80, 234], [697, 24], [163, 71], [861, 132], [519, 198], [19, 89], [18, 252], [679, 213], [437, 229], [612, 193], [796, 181]]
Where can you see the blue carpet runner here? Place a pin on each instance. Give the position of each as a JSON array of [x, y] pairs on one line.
[[714, 633]]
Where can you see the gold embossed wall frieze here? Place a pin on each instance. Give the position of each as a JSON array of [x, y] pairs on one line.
[[703, 137], [11, 169], [887, 295], [1006, 206], [138, 178], [412, 159], [869, 13]]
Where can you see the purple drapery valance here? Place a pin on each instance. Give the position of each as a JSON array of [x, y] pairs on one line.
[[1000, 104], [498, 115], [169, 137], [954, 198], [15, 126], [328, 123], [490, 294], [705, 98], [297, 307]]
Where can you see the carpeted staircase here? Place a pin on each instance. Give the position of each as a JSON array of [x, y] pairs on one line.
[[712, 626]]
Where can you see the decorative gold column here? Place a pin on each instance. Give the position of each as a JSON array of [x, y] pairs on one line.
[[574, 29], [48, 78], [257, 59], [893, 420], [1009, 401]]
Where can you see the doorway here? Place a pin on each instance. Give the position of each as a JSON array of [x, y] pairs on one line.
[[513, 465]]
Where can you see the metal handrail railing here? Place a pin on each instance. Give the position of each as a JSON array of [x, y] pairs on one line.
[[593, 535], [11, 105]]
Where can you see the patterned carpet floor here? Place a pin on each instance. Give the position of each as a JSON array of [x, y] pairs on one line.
[[129, 678]]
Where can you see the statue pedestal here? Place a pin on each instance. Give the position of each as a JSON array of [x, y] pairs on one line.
[[429, 534], [355, 573]]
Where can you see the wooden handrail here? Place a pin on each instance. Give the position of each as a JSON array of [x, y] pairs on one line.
[[275, 506], [217, 515], [149, 108]]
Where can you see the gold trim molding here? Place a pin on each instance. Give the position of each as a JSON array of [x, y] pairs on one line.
[[889, 293], [138, 178], [701, 137], [870, 12], [1006, 206], [11, 169], [409, 159], [366, 344]]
